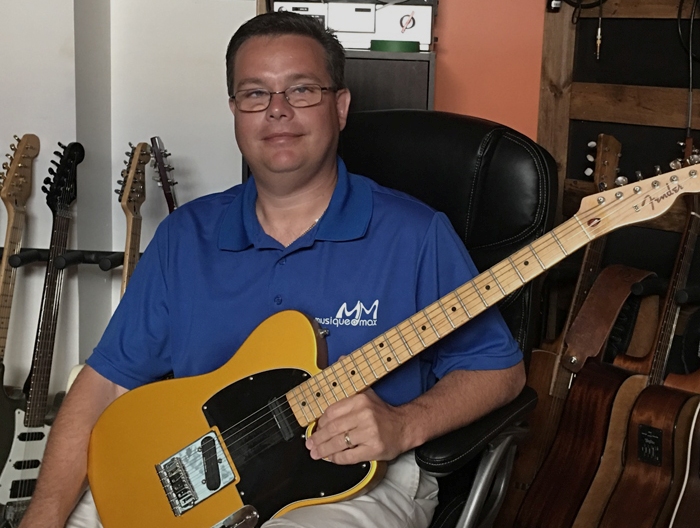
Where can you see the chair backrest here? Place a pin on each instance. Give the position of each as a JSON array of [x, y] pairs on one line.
[[497, 187]]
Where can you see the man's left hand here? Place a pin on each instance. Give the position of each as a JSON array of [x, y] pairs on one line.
[[360, 428]]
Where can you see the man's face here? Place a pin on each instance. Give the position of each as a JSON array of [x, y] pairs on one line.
[[284, 139]]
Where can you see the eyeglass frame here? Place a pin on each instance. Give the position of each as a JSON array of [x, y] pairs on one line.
[[286, 97]]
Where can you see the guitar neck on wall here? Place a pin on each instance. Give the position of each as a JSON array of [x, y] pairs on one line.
[[132, 193], [16, 189], [18, 479], [165, 181]]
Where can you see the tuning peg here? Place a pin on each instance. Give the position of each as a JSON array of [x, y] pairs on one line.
[[602, 186], [588, 172], [590, 158], [5, 166], [57, 153], [47, 180], [638, 175], [621, 180], [55, 163], [126, 162], [44, 189], [13, 147], [128, 153], [120, 182], [62, 146], [118, 191], [52, 172], [592, 144], [9, 157], [17, 138], [676, 164], [172, 182], [169, 168], [657, 170], [131, 145]]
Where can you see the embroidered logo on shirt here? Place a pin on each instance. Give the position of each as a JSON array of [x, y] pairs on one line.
[[358, 315]]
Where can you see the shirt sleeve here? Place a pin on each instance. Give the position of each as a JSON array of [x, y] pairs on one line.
[[484, 343], [134, 348]]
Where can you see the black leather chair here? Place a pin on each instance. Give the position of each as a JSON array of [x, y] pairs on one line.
[[498, 189]]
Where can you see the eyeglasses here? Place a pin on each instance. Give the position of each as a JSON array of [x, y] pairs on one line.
[[298, 96]]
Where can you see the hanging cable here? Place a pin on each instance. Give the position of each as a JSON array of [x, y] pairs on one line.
[[579, 5], [679, 17], [690, 66]]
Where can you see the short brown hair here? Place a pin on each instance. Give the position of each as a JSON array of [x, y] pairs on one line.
[[280, 23]]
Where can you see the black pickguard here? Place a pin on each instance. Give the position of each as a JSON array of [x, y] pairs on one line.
[[274, 472]]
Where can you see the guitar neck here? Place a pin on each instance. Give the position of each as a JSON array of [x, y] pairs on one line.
[[46, 330], [131, 251], [671, 310], [371, 362], [13, 240]]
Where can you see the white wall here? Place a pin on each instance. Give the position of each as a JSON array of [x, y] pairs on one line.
[[165, 77]]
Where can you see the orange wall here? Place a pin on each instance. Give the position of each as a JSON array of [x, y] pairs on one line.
[[489, 54]]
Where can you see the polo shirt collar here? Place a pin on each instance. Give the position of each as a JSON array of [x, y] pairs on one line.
[[346, 218]]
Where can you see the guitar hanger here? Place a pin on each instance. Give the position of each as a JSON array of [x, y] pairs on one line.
[[107, 260]]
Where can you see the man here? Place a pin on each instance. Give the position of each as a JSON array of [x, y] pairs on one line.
[[301, 234]]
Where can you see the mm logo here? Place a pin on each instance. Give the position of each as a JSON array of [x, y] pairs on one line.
[[357, 311]]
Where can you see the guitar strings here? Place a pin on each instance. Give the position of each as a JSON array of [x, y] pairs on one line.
[[567, 228]]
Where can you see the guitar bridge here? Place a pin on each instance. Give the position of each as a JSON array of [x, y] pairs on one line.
[[195, 473]]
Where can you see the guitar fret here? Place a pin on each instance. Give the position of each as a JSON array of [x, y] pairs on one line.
[[417, 333], [342, 364], [302, 407], [497, 283], [391, 347], [320, 392], [358, 370], [379, 355], [479, 294], [522, 279], [323, 373], [583, 228], [556, 239], [446, 314], [464, 306], [405, 343], [431, 324], [335, 375], [534, 254], [310, 401], [371, 368]]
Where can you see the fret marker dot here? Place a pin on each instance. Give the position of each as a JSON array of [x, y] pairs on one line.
[[352, 372], [527, 263], [388, 359], [303, 404], [334, 384], [488, 287], [381, 345], [318, 394], [423, 328]]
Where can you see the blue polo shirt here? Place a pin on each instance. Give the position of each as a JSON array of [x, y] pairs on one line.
[[211, 275]]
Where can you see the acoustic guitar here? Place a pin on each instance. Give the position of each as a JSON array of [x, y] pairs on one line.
[[650, 370], [16, 190], [18, 479], [228, 447], [546, 375]]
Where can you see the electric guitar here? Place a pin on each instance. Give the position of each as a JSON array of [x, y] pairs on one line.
[[18, 479], [228, 447], [546, 374], [165, 181], [16, 189]]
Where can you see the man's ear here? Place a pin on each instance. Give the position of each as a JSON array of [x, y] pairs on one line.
[[232, 105], [342, 104]]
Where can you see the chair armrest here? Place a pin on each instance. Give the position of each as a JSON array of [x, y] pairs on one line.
[[455, 449]]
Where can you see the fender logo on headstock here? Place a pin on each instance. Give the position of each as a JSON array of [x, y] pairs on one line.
[[648, 199]]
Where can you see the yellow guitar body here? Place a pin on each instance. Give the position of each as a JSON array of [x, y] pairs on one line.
[[148, 425]]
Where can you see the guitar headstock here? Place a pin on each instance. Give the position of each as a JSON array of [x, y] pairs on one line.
[[16, 181], [132, 190], [636, 202], [62, 191], [160, 155], [691, 155], [607, 159]]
